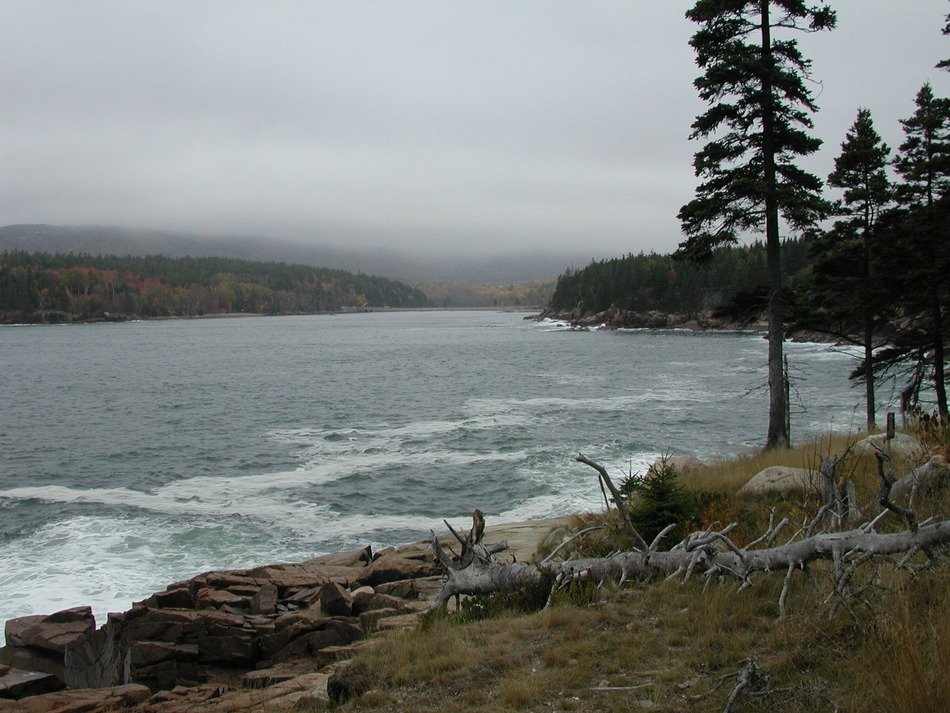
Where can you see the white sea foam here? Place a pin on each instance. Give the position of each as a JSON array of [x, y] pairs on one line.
[[671, 391], [108, 561], [552, 325], [822, 352], [574, 484], [137, 542], [266, 497], [334, 440]]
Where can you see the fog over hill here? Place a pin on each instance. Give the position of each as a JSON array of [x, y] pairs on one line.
[[516, 267]]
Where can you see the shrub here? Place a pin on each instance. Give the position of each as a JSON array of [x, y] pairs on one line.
[[660, 501]]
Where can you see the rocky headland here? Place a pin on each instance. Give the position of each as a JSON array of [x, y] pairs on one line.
[[231, 640], [654, 319]]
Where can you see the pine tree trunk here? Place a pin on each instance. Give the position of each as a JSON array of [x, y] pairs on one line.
[[868, 322], [869, 371], [778, 431], [940, 385]]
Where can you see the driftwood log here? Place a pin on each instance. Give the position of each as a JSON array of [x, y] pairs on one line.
[[706, 553]]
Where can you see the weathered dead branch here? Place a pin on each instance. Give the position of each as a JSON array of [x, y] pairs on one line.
[[711, 553], [887, 482], [569, 540], [617, 497], [744, 678]]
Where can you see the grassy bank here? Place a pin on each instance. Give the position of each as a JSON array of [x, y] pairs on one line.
[[672, 646]]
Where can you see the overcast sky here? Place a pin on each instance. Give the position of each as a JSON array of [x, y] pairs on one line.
[[446, 126]]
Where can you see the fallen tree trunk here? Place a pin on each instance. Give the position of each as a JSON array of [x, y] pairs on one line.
[[484, 574], [708, 553]]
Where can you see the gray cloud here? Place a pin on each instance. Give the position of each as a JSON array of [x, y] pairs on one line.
[[482, 126]]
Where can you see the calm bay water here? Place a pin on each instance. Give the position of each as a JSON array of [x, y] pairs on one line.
[[136, 454]]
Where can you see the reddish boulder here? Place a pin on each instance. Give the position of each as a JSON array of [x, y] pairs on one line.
[[177, 598], [29, 659], [50, 632], [331, 632], [403, 588], [265, 600], [370, 602], [406, 563], [368, 619], [216, 598], [335, 600], [17, 683], [98, 660], [87, 700]]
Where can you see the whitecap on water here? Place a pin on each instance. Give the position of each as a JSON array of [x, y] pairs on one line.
[[263, 497], [552, 325]]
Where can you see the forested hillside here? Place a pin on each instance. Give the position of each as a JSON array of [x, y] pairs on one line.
[[430, 268], [653, 282], [41, 287]]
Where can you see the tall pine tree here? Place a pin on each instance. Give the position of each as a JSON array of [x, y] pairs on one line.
[[850, 284], [945, 64], [759, 113], [923, 162]]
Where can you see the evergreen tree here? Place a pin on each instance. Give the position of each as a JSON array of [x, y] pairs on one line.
[[923, 162], [945, 64], [849, 280], [759, 109]]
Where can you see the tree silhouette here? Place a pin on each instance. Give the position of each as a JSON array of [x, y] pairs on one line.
[[759, 107], [850, 279]]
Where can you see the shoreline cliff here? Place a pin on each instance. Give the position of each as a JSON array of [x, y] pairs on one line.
[[229, 640]]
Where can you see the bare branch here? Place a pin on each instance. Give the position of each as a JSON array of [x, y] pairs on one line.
[[783, 597], [887, 482], [746, 675], [847, 549], [663, 533], [617, 498], [568, 541], [452, 530]]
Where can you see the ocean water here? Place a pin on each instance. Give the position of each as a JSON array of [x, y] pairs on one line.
[[136, 454]]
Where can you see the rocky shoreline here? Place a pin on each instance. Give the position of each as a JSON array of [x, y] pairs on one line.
[[229, 640], [630, 319], [701, 322]]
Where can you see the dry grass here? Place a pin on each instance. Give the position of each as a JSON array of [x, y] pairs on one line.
[[727, 476], [668, 644]]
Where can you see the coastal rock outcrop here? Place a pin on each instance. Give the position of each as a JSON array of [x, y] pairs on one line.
[[653, 319], [266, 626], [234, 640], [781, 479], [17, 683], [923, 481], [38, 642], [681, 464], [88, 700], [902, 444]]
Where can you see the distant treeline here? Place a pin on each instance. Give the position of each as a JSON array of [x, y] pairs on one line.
[[534, 294], [54, 287], [653, 282]]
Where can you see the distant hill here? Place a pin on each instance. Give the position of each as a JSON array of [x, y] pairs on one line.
[[432, 269], [44, 287]]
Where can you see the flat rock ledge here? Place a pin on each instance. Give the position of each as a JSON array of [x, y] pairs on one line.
[[231, 640]]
